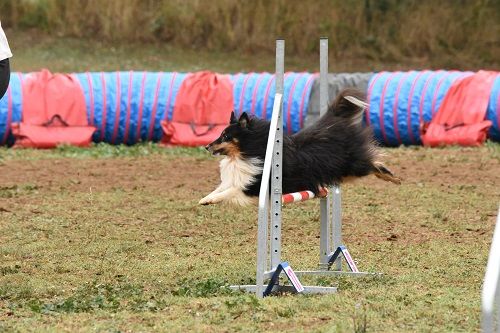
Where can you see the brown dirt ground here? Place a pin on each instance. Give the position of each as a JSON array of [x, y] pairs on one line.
[[416, 166], [190, 178]]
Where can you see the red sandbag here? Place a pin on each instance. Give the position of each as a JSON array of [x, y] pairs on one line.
[[32, 136], [202, 108], [460, 119], [54, 112]]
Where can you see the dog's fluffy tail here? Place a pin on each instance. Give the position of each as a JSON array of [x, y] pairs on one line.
[[350, 103]]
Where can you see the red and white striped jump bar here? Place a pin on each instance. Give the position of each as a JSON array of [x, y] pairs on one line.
[[302, 196]]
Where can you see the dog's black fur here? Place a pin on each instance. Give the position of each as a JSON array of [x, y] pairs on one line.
[[335, 148]]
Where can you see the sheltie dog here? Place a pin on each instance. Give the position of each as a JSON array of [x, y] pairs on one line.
[[333, 150]]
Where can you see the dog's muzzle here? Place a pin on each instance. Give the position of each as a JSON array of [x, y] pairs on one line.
[[210, 149]]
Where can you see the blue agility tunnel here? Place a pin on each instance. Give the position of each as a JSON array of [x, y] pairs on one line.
[[11, 108], [254, 94], [127, 107], [493, 112], [400, 102]]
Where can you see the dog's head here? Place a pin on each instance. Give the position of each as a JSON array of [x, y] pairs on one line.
[[228, 143]]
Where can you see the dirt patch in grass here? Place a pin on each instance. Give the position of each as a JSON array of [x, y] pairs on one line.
[[157, 174], [443, 168]]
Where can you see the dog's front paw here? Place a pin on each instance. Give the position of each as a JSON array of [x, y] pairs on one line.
[[205, 201]]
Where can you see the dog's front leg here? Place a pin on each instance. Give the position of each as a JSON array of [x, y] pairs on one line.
[[224, 195], [206, 200]]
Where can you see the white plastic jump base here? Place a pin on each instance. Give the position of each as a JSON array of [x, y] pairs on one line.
[[336, 273], [325, 269], [281, 289], [332, 251]]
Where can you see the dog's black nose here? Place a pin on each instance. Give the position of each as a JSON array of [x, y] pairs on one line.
[[207, 147]]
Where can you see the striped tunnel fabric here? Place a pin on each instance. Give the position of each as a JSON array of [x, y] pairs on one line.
[[493, 112], [127, 107], [302, 196], [254, 94], [401, 101], [11, 108]]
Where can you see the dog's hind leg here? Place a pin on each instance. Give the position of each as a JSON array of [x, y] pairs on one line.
[[381, 171]]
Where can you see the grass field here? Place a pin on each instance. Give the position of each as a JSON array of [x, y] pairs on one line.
[[34, 50], [111, 239]]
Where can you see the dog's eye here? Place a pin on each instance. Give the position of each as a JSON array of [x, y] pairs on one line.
[[225, 137]]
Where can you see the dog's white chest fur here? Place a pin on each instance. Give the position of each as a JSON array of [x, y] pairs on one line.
[[236, 175], [236, 172]]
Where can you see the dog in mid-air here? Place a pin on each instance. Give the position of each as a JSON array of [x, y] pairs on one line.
[[334, 149]]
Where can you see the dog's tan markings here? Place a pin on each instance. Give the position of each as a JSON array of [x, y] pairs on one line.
[[233, 150], [229, 148]]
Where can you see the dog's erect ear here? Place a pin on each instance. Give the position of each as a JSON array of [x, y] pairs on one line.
[[233, 119], [244, 120]]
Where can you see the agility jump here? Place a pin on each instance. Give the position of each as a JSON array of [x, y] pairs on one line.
[[269, 263]]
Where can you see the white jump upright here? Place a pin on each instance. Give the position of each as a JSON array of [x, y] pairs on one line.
[[330, 207], [269, 262], [491, 287]]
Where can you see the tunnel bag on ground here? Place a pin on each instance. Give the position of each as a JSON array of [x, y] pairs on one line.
[[53, 112], [202, 110], [461, 118]]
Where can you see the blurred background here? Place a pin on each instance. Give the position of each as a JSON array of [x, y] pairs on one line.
[[237, 35]]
